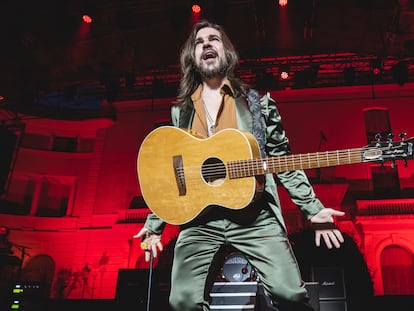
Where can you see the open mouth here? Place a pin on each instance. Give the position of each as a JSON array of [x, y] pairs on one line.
[[208, 54]]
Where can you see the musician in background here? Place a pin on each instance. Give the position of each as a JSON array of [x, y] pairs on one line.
[[211, 98]]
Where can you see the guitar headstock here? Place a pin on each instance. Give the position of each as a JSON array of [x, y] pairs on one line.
[[385, 151]]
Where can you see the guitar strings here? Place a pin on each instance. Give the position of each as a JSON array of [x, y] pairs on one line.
[[246, 168]]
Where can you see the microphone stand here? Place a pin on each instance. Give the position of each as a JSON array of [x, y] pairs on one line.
[[150, 281]]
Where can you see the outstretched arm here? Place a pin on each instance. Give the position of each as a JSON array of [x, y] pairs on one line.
[[323, 223], [297, 183]]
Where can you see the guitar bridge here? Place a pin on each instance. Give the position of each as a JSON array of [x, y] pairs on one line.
[[179, 174]]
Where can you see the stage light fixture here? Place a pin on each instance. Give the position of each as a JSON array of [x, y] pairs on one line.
[[87, 12], [196, 8], [400, 72], [283, 2], [87, 18], [284, 70], [376, 66]]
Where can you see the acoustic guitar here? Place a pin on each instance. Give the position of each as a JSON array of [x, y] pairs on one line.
[[181, 174]]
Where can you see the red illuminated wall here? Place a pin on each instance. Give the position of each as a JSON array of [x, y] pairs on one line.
[[86, 247]]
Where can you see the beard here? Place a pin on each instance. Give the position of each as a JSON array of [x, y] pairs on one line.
[[218, 71]]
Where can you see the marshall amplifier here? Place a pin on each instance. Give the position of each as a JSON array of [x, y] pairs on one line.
[[331, 282]]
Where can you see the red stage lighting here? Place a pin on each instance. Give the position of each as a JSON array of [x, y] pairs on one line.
[[196, 8], [376, 66], [376, 71], [284, 71], [87, 18], [283, 2]]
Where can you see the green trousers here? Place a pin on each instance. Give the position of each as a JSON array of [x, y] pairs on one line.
[[258, 236]]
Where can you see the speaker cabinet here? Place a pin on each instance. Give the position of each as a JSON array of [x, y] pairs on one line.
[[133, 286], [331, 282], [332, 293]]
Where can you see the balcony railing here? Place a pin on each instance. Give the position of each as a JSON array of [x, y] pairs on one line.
[[385, 207]]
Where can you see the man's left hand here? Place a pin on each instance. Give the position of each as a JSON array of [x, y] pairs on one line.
[[331, 235]]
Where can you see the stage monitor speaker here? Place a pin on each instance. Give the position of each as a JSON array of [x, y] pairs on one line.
[[132, 289], [331, 282]]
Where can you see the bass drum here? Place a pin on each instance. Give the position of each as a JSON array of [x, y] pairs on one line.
[[236, 268]]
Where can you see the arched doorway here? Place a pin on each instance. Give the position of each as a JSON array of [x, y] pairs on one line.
[[397, 267], [39, 269]]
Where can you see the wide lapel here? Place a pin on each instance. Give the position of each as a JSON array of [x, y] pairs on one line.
[[186, 117], [243, 115]]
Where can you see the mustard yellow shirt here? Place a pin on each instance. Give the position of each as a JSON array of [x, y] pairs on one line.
[[226, 117]]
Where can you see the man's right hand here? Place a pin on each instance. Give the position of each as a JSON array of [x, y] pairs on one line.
[[150, 242]]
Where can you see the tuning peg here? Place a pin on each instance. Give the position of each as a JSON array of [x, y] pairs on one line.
[[402, 136], [405, 162], [393, 164], [390, 137]]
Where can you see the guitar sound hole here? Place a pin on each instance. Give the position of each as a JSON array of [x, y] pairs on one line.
[[213, 171]]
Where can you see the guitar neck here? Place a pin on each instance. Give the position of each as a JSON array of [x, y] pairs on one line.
[[278, 164]]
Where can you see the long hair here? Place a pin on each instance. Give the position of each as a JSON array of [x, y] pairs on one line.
[[191, 78]]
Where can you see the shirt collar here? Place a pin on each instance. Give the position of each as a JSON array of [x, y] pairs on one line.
[[197, 93], [226, 89]]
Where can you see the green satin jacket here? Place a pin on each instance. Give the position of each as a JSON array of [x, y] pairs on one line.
[[274, 143]]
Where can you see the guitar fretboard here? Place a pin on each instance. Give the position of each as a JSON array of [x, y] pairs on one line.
[[277, 164]]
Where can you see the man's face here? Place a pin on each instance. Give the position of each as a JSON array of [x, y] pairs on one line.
[[209, 53]]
